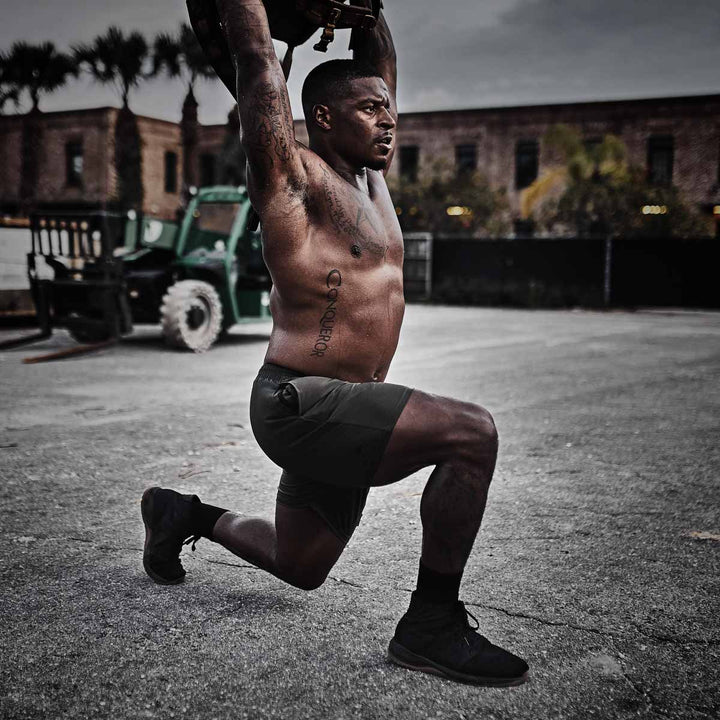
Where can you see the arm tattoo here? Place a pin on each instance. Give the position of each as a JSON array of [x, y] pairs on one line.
[[241, 23], [268, 132]]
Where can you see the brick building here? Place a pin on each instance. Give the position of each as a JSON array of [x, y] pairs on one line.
[[676, 139], [76, 168]]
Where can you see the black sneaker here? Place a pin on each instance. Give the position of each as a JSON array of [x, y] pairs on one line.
[[167, 516], [437, 638]]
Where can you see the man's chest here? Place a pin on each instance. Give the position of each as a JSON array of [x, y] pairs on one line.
[[366, 223]]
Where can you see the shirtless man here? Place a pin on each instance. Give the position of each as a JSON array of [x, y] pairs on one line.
[[320, 408]]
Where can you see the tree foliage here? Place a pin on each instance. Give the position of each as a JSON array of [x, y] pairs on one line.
[[594, 189], [116, 59], [180, 56], [9, 90], [443, 201], [34, 69], [121, 61]]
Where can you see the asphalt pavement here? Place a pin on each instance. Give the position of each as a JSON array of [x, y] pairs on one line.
[[598, 560]]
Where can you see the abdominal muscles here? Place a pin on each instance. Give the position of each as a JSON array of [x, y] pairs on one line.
[[347, 328]]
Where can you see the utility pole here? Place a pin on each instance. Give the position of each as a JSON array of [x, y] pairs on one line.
[[607, 274]]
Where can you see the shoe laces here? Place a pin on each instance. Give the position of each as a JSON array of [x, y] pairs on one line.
[[469, 632], [476, 626], [192, 539]]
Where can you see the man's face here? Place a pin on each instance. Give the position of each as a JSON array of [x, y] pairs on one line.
[[362, 127]]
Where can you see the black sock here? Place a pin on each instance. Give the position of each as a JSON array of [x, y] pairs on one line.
[[437, 587], [205, 518]]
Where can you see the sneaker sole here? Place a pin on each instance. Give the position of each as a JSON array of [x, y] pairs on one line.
[[146, 510], [406, 658]]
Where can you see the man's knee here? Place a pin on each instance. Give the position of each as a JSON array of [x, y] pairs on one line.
[[479, 433], [303, 578]]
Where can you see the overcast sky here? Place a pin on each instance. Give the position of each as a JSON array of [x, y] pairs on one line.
[[451, 53]]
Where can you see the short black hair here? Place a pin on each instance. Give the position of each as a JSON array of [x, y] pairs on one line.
[[331, 80]]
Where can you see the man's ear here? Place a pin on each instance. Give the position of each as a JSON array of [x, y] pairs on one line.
[[321, 116]]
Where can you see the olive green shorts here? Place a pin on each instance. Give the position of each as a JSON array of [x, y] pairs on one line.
[[327, 435]]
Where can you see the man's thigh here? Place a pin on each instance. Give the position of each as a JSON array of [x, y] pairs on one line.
[[307, 549], [431, 430], [339, 506], [331, 431]]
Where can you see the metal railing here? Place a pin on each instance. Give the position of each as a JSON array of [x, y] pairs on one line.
[[86, 236]]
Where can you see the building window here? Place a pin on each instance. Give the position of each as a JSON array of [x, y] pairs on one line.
[[409, 162], [466, 158], [660, 159], [171, 160], [207, 170], [526, 163], [74, 163]]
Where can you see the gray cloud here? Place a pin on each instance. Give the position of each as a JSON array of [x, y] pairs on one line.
[[463, 53], [549, 50]]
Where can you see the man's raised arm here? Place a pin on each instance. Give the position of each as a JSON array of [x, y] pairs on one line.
[[268, 134], [376, 48]]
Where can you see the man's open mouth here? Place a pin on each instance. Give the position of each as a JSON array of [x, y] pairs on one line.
[[385, 140]]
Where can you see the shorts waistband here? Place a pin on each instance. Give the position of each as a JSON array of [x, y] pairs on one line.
[[277, 373]]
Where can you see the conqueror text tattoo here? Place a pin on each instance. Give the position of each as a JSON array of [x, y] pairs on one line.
[[327, 321]]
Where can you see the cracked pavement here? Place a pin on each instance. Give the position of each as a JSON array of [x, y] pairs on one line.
[[585, 566]]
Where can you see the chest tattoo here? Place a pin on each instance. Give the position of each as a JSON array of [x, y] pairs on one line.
[[363, 231]]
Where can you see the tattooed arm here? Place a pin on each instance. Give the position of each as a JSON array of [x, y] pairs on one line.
[[267, 131]]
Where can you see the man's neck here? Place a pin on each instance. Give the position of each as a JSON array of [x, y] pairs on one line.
[[355, 176]]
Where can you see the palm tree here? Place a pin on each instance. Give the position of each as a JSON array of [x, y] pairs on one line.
[[121, 61], [595, 190], [9, 90], [585, 175], [180, 56], [36, 70]]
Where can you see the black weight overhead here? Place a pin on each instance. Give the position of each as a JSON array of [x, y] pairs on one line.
[[291, 21]]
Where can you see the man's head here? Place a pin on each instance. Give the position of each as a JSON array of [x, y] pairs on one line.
[[347, 106]]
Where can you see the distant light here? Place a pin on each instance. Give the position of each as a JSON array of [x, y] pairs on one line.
[[716, 210], [413, 210], [457, 210], [654, 210], [398, 210]]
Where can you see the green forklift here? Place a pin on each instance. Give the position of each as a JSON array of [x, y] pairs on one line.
[[99, 273]]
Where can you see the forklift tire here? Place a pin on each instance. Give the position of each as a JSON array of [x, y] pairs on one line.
[[191, 315]]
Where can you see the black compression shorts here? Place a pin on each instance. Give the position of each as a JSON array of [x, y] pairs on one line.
[[327, 435]]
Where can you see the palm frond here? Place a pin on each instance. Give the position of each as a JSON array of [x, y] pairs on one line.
[[115, 59], [166, 55], [37, 69], [196, 61], [541, 189]]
